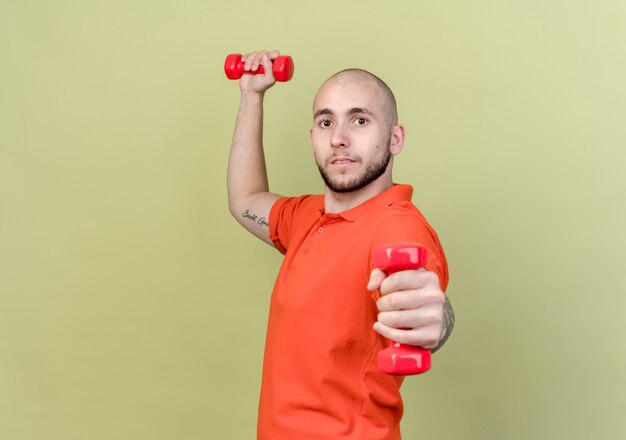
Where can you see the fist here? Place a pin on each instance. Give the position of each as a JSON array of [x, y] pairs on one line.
[[411, 306], [252, 61]]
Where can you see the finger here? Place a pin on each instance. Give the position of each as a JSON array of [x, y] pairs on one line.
[[413, 318], [274, 54], [410, 299], [256, 62], [253, 60], [247, 59], [267, 66], [408, 279], [376, 277], [426, 337], [403, 300]]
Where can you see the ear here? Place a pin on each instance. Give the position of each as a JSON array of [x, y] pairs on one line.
[[397, 139]]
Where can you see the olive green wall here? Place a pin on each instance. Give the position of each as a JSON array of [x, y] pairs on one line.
[[133, 307]]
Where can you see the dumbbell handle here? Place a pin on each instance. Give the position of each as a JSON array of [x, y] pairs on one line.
[[402, 359], [282, 67]]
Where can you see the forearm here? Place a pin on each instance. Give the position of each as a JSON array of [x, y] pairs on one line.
[[447, 325], [247, 173]]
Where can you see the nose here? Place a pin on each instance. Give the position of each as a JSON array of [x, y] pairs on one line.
[[339, 137]]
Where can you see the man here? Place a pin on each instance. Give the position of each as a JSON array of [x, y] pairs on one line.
[[320, 378]]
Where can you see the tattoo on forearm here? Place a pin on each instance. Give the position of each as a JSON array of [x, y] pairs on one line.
[[447, 324], [261, 221]]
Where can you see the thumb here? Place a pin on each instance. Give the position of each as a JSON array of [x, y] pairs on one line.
[[376, 278]]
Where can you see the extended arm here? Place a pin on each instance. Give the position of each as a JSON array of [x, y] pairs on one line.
[[249, 199]]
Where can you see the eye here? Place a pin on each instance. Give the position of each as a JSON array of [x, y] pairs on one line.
[[325, 123], [360, 121]]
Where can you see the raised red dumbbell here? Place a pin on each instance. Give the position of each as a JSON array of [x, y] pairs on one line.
[[402, 359], [282, 67]]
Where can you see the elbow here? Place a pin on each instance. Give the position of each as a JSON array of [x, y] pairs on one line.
[[234, 209]]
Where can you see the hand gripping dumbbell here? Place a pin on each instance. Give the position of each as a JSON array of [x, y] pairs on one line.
[[282, 67], [401, 359]]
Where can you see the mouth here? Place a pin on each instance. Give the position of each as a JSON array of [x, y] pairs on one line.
[[342, 161]]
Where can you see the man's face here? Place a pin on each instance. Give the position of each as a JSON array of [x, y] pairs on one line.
[[350, 136]]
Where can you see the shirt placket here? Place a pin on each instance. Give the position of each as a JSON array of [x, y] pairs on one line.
[[317, 232]]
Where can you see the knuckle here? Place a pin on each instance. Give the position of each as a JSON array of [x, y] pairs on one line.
[[393, 319], [432, 277], [434, 316], [423, 338], [403, 337], [435, 295], [393, 302], [403, 320], [431, 338]]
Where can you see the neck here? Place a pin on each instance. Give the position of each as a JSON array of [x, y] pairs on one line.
[[338, 202]]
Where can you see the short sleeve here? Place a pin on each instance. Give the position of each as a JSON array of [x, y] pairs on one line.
[[287, 215], [410, 228]]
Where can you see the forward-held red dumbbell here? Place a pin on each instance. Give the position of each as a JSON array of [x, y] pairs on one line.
[[400, 358], [282, 67]]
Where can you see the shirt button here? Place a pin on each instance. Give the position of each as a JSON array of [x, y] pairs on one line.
[[320, 230]]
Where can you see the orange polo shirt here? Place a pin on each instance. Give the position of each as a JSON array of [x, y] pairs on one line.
[[320, 374]]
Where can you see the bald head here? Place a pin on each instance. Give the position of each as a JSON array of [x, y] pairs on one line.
[[386, 98]]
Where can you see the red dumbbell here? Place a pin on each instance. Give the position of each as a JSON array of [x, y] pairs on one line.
[[282, 67], [402, 359]]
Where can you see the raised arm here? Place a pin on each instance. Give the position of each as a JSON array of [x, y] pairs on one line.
[[249, 199]]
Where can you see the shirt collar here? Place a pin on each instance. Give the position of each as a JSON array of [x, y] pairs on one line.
[[397, 193]]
